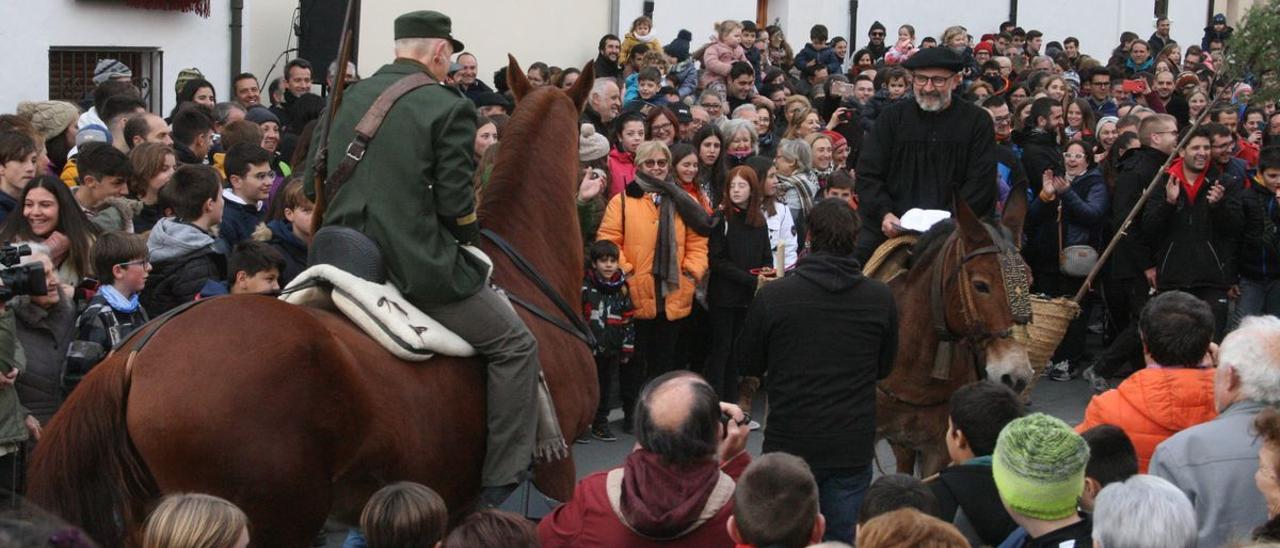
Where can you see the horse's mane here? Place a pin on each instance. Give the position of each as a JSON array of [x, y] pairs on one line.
[[930, 243], [519, 155]]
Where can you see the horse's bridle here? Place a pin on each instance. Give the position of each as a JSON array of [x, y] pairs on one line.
[[575, 326], [1013, 274]]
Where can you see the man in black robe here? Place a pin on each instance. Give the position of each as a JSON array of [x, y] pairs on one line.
[[922, 152]]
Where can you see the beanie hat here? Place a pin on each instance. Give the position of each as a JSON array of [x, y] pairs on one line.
[[110, 68], [1097, 129], [1219, 19], [1038, 466], [877, 26], [186, 75], [50, 118], [259, 114], [93, 133], [1187, 78], [679, 48], [837, 140], [591, 145], [984, 46]]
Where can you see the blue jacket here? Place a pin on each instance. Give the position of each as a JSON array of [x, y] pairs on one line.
[[826, 56], [238, 222], [1083, 211], [293, 249]]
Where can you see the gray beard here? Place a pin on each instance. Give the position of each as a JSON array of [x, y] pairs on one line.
[[933, 105]]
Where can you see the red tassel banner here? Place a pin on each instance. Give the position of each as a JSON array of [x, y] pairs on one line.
[[200, 7]]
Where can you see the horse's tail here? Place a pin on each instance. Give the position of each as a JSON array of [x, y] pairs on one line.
[[85, 467]]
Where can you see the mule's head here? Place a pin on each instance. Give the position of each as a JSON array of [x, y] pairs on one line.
[[993, 289]]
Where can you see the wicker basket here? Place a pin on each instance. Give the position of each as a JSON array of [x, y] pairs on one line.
[[1049, 321]]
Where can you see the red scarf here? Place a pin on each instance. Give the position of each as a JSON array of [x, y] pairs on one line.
[[1189, 188]]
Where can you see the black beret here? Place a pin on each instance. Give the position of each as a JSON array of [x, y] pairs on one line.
[[938, 57]]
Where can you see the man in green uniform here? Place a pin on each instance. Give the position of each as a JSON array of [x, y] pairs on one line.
[[411, 193]]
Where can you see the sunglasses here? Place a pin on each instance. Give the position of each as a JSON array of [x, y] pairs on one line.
[[660, 162]]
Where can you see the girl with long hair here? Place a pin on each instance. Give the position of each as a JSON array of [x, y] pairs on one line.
[[50, 215]]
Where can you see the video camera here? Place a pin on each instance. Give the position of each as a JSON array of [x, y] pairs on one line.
[[16, 279]]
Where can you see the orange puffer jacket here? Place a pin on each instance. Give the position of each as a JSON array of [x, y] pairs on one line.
[[1152, 405], [638, 241]]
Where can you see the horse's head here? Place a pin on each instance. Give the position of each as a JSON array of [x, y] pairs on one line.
[[989, 291]]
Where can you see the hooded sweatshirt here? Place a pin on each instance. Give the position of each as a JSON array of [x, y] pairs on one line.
[[183, 258], [825, 334]]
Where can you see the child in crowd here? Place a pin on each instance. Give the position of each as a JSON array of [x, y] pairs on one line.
[[103, 183], [291, 236], [17, 168], [641, 33], [1112, 459], [193, 519], [184, 254], [648, 82], [740, 255], [253, 269], [122, 265], [900, 52], [250, 176], [1039, 468], [966, 490], [401, 514], [492, 529], [606, 303], [895, 84], [840, 186], [1260, 249], [720, 56], [893, 492]]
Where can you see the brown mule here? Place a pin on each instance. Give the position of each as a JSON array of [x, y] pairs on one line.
[[955, 288], [295, 415]]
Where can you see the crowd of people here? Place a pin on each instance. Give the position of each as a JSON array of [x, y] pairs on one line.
[[731, 189]]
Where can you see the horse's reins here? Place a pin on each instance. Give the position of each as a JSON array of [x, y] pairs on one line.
[[974, 334], [577, 326]]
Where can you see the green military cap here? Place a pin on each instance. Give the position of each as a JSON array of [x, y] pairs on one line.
[[426, 24]]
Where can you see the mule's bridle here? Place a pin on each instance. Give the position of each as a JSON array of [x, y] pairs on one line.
[[1013, 274]]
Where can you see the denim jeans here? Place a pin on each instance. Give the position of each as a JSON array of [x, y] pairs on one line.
[[1257, 297], [840, 495]]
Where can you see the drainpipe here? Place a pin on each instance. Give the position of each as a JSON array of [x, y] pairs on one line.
[[1013, 11], [237, 32], [853, 27]]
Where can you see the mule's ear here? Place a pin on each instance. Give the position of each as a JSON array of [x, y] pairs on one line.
[[1015, 212], [516, 79], [971, 229], [582, 88]]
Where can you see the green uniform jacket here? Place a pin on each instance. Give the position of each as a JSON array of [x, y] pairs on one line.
[[412, 193]]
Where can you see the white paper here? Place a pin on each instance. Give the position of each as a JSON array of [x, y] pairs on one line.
[[920, 220]]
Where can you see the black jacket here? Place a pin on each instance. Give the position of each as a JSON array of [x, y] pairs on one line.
[[607, 69], [1259, 257], [1194, 242], [177, 281], [918, 159], [290, 247], [825, 334], [1134, 172], [1083, 209], [971, 488], [734, 250], [1039, 152]]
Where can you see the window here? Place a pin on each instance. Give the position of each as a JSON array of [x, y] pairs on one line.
[[71, 72]]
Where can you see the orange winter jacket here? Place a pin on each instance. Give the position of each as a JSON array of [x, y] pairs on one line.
[[638, 241], [1152, 405]]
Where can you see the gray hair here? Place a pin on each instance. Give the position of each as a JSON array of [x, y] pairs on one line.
[[1253, 351], [744, 107], [710, 93], [1143, 511], [729, 128], [415, 47], [797, 151], [598, 87], [222, 111]]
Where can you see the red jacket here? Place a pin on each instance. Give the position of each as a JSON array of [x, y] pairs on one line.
[[591, 518], [622, 170], [1152, 405]]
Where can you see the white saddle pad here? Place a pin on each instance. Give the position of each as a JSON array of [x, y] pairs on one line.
[[379, 310]]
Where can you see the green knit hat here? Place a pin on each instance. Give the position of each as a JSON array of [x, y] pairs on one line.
[[1039, 466]]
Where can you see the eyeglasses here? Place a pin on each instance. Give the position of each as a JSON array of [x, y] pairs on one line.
[[662, 127], [139, 262], [1073, 155], [877, 33], [938, 81], [660, 162], [710, 106]]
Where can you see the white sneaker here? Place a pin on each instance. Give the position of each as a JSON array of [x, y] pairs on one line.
[[1060, 371]]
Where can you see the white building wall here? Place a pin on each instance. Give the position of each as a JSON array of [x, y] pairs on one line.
[[929, 17], [558, 32], [31, 27], [268, 32], [699, 17]]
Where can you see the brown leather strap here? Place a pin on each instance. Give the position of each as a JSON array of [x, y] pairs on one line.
[[368, 127]]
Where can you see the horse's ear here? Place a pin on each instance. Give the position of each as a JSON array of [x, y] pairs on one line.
[[1015, 212], [971, 229], [582, 88], [516, 79]]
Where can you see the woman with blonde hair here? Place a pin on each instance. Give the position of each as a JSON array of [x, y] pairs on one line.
[[194, 520], [802, 122]]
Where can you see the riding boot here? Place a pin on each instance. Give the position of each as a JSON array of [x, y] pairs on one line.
[[747, 387]]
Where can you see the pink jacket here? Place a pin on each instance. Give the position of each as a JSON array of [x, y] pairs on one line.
[[622, 170], [716, 61]]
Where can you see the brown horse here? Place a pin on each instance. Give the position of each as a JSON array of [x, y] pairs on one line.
[[955, 288], [294, 414]]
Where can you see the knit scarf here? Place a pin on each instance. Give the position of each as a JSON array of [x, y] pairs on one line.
[[798, 182], [666, 261], [646, 38], [1136, 68], [118, 301]]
